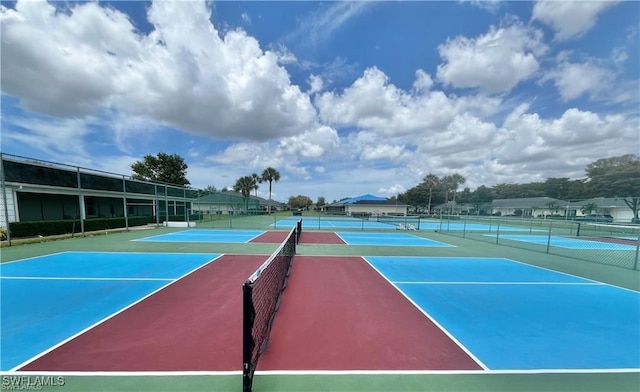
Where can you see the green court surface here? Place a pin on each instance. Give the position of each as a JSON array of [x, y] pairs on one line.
[[337, 381]]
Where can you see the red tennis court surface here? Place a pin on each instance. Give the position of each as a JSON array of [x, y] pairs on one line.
[[277, 237], [337, 313], [193, 324]]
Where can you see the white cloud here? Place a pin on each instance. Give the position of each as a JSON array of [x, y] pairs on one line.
[[423, 81], [393, 190], [183, 73], [59, 138], [328, 19], [373, 103], [570, 19], [245, 18], [535, 142], [487, 5], [383, 151], [576, 79], [316, 84], [494, 62], [311, 144]]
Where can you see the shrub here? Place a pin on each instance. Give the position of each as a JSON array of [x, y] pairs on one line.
[[47, 228]]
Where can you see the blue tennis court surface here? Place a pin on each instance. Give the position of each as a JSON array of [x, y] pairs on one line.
[[46, 300], [335, 223], [569, 243], [387, 239], [513, 316], [209, 235], [449, 226]]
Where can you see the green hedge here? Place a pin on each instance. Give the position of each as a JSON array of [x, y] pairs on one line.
[[46, 228]]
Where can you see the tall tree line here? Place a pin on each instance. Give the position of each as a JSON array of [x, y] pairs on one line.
[[608, 177]]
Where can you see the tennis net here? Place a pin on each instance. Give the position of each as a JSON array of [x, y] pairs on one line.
[[261, 298], [405, 221]]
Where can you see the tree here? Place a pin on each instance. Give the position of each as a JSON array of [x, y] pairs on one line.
[[210, 189], [256, 180], [170, 169], [321, 202], [300, 202], [589, 208], [616, 177], [431, 181], [451, 184], [270, 175], [479, 197], [244, 185], [552, 206]]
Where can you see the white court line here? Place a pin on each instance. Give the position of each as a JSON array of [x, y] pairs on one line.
[[168, 373], [25, 363], [510, 283], [427, 372], [32, 257], [171, 373], [77, 278], [433, 320], [568, 274]]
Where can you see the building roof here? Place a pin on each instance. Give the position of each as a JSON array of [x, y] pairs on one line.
[[527, 202], [601, 202], [363, 199]]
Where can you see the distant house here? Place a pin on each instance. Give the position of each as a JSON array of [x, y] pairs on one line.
[[533, 207], [228, 202], [367, 204], [454, 208], [614, 206], [541, 207]]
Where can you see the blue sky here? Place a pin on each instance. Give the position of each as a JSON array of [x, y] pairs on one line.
[[342, 98]]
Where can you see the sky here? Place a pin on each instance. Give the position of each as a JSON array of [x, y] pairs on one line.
[[342, 98]]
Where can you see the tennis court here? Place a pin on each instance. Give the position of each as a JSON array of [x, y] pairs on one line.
[[372, 311], [345, 222], [207, 235], [49, 299], [386, 239], [568, 243]]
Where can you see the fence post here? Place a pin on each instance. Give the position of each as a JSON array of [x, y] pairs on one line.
[[549, 238], [497, 232], [464, 229], [635, 262]]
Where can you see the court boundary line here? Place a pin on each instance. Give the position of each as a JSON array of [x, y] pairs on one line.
[[436, 323], [444, 244], [173, 373], [32, 257], [572, 275], [80, 278], [514, 261], [505, 283], [601, 248], [55, 346]]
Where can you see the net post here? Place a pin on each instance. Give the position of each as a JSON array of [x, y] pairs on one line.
[[248, 315], [549, 238]]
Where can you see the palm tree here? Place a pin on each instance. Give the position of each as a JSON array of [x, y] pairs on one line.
[[244, 185], [431, 181], [256, 180], [269, 175], [589, 208]]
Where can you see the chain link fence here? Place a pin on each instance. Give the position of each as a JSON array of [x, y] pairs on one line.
[[612, 244]]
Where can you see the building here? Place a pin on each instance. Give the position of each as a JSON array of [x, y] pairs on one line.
[[35, 190], [366, 205]]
